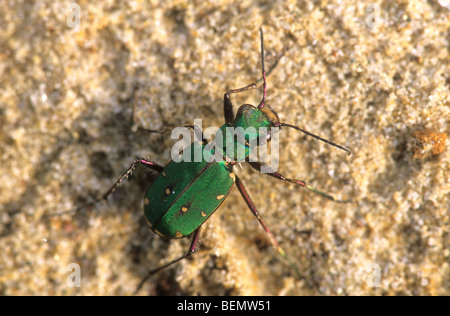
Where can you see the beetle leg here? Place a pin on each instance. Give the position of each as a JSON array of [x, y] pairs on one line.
[[228, 106], [149, 164], [252, 207], [279, 176], [190, 252], [198, 132]]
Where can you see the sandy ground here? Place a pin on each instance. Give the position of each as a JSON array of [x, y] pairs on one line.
[[364, 76]]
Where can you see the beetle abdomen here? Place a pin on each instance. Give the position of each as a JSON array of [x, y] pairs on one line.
[[185, 194]]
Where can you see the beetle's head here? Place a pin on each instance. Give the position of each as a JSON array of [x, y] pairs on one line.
[[256, 122]]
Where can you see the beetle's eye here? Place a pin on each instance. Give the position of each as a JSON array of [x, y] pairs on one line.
[[271, 114], [243, 108]]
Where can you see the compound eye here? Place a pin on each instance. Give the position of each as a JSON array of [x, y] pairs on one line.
[[271, 114], [243, 108]]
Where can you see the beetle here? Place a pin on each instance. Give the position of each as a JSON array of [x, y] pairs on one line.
[[186, 193]]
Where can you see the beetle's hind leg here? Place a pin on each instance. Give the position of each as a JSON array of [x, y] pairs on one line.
[[190, 252]]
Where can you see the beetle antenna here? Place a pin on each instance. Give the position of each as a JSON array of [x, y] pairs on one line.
[[262, 103], [315, 136]]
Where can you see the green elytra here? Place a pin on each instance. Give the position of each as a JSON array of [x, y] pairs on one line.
[[185, 194]]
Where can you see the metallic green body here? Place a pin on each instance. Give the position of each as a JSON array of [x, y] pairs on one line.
[[251, 117], [235, 148], [192, 186], [185, 194]]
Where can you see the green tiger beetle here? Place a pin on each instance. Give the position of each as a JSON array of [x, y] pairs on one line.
[[185, 194]]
